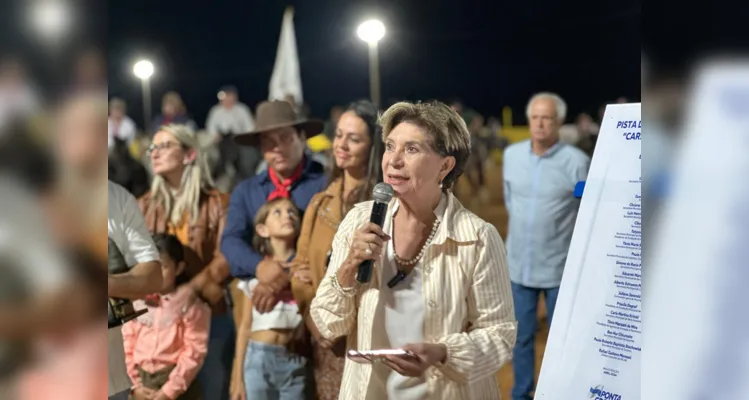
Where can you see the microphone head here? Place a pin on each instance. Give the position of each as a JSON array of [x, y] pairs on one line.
[[382, 193]]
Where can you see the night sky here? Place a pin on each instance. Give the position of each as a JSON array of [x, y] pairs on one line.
[[489, 54]]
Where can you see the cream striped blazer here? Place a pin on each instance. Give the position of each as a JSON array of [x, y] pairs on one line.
[[467, 306]]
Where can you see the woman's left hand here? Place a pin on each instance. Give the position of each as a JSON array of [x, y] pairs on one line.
[[427, 354]]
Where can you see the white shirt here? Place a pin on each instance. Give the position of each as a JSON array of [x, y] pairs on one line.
[[127, 228], [25, 241], [404, 316], [125, 130], [14, 101], [285, 315], [234, 120], [467, 307]]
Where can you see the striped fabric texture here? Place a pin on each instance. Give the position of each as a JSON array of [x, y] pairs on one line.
[[467, 301]]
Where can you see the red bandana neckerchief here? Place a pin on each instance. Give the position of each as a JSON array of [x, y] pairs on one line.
[[283, 186]]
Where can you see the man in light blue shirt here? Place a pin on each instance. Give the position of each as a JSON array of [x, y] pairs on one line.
[[539, 180]]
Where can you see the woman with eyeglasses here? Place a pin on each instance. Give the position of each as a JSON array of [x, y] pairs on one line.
[[184, 202]]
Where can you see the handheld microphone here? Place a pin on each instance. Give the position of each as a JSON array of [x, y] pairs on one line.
[[382, 193]]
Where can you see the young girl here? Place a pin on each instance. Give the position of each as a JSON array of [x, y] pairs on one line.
[[165, 348], [271, 368]]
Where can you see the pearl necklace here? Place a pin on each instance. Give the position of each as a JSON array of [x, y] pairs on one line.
[[413, 261]]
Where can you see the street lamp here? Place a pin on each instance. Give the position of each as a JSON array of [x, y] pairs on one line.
[[51, 19], [372, 32], [143, 69]]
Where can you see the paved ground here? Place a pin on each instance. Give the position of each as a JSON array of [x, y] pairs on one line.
[[487, 202]]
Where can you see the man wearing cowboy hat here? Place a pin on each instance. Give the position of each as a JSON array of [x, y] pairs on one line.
[[292, 172]]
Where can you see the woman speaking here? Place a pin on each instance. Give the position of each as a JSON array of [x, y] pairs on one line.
[[453, 310]]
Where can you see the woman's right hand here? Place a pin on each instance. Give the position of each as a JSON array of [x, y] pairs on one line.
[[237, 391], [366, 244]]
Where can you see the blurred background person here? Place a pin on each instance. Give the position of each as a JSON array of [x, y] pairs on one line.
[[48, 304], [226, 119], [184, 202], [540, 175], [588, 133], [664, 116], [90, 71], [124, 169], [120, 125], [127, 171], [332, 122], [79, 202], [357, 150], [17, 96], [173, 111], [82, 190], [479, 152]]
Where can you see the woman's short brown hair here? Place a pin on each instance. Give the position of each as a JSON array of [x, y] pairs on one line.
[[446, 129]]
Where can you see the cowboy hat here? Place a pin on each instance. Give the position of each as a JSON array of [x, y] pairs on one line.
[[277, 114]]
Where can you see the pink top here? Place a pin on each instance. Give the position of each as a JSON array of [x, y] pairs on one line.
[[74, 368], [170, 334]]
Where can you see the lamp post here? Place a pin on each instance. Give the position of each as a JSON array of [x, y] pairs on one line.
[[144, 69], [372, 31]]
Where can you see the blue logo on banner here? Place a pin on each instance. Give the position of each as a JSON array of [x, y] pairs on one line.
[[597, 393]]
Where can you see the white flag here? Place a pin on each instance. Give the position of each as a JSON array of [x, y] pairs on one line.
[[286, 79]]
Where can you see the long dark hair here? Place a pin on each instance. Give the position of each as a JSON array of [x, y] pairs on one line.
[[368, 113]]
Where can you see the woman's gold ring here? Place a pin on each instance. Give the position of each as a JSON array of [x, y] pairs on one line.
[[368, 250]]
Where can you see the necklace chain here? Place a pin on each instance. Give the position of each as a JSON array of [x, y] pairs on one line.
[[413, 261]]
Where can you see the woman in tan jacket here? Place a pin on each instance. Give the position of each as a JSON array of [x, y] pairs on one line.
[[357, 149], [183, 202]]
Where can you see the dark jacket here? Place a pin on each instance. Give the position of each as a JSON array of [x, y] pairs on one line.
[[247, 199]]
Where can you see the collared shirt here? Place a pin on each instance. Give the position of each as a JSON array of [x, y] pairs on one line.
[[247, 199], [539, 196], [172, 334], [467, 307]]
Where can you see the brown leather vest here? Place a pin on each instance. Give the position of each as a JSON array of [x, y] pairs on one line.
[[206, 266]]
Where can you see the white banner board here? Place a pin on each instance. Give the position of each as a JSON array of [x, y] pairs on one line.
[[697, 254], [593, 350]]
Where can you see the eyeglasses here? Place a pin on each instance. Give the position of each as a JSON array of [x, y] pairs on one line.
[[162, 146]]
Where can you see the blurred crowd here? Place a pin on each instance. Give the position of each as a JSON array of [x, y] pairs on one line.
[[230, 164]]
